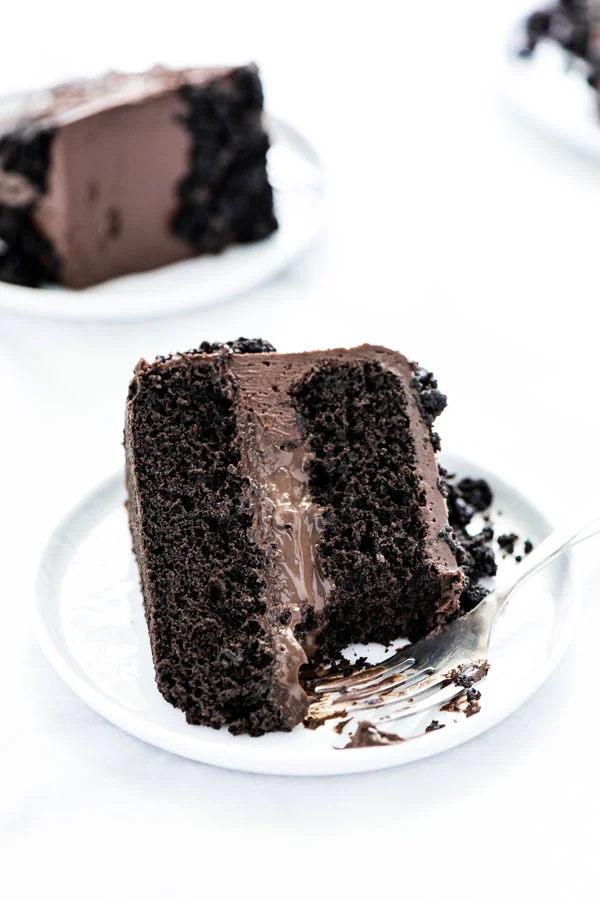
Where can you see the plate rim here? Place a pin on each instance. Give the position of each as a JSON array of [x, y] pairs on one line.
[[35, 303], [324, 761]]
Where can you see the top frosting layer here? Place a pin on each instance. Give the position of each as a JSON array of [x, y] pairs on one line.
[[76, 100]]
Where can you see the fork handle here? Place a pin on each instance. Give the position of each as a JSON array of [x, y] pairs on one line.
[[549, 549]]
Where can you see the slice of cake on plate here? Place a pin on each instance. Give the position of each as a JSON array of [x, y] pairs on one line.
[[127, 173], [282, 505]]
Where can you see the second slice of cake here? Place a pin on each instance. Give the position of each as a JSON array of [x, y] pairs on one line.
[[130, 172], [281, 507]]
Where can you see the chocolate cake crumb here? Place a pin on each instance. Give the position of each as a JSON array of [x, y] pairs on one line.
[[507, 542], [431, 400], [461, 512], [468, 674], [528, 546], [480, 561], [466, 703], [314, 722], [466, 498], [476, 492], [435, 725], [472, 596], [341, 725], [465, 676], [250, 345], [339, 666], [518, 558], [367, 734], [572, 24], [241, 345]]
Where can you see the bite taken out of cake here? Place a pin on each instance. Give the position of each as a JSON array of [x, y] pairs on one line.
[[282, 506], [128, 173]]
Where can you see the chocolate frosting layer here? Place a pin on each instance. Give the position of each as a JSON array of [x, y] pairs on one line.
[[74, 100], [110, 199]]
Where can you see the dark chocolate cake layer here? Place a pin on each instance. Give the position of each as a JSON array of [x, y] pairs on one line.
[[282, 506], [381, 544], [131, 172]]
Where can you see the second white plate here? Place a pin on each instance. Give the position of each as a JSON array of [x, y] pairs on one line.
[[90, 624], [295, 173]]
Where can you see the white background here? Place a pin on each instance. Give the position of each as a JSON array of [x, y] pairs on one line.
[[455, 234]]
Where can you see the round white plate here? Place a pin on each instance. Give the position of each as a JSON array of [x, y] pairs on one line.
[[551, 91], [90, 624], [294, 172]]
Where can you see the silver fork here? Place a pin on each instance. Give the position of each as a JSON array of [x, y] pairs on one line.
[[439, 668]]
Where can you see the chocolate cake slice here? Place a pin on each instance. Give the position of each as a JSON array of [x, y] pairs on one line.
[[130, 172], [281, 507]]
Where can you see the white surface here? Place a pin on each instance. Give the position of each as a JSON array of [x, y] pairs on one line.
[[294, 171], [550, 88], [90, 623], [456, 234]]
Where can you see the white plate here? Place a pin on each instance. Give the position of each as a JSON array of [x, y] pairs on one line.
[[90, 624], [550, 90], [295, 173]]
